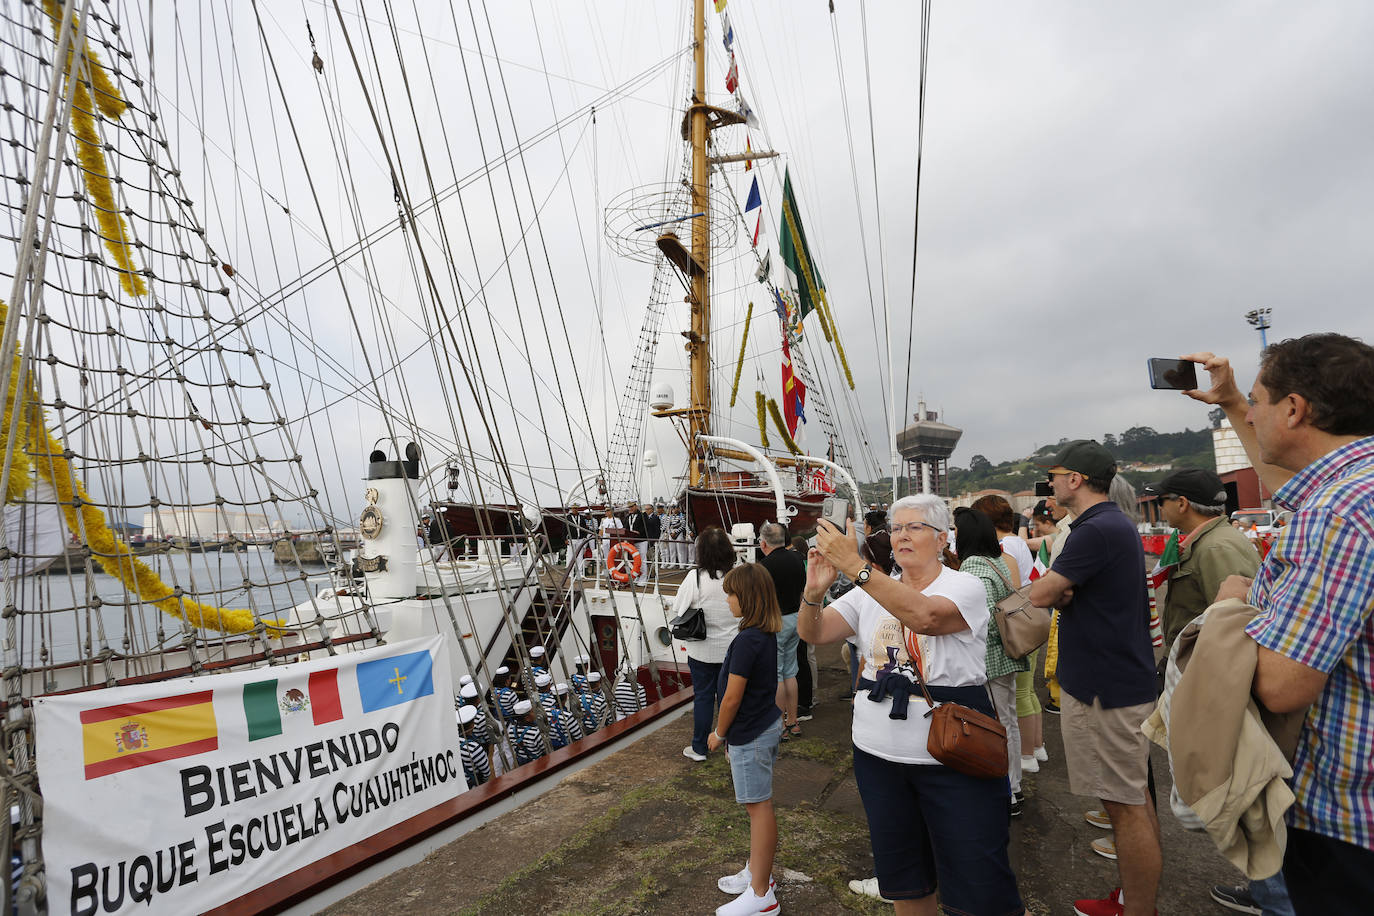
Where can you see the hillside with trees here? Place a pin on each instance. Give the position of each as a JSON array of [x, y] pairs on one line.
[[1137, 445]]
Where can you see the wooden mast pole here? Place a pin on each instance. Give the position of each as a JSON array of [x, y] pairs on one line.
[[699, 421]]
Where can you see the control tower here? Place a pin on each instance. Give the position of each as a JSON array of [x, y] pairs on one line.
[[925, 447]]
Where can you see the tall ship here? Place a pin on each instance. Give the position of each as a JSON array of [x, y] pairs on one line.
[[286, 288]]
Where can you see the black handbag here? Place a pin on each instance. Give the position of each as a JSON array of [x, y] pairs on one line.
[[691, 623]]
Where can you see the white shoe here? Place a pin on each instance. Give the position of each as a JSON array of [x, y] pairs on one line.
[[749, 904], [736, 883], [869, 888], [1041, 754], [1030, 764], [692, 755]]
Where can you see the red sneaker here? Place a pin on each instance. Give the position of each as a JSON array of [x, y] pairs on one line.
[[1110, 906]]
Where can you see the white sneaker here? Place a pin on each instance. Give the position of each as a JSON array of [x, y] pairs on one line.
[[1030, 764], [869, 888], [736, 883], [1041, 754], [748, 904], [692, 755]]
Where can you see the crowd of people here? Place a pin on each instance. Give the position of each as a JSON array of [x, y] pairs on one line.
[[1259, 680]]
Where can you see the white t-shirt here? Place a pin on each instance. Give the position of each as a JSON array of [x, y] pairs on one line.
[[1014, 547], [956, 660]]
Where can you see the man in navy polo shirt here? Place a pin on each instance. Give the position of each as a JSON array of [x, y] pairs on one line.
[[1106, 668]]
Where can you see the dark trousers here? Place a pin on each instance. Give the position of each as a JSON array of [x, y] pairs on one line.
[[804, 686], [1327, 876], [705, 679]]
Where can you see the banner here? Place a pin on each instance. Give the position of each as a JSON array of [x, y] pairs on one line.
[[180, 796]]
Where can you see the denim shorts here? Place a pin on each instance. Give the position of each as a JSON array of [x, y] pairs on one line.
[[751, 765], [787, 647], [931, 827]]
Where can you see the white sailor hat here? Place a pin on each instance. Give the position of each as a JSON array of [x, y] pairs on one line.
[[468, 691], [465, 679], [560, 688], [503, 670], [522, 707], [543, 680], [536, 651], [593, 677], [582, 660], [467, 714]]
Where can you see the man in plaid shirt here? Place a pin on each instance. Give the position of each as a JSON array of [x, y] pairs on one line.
[[1308, 428]]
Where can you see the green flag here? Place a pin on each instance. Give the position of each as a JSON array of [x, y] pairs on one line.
[[796, 256]]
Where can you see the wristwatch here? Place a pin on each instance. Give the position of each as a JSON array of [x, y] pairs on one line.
[[864, 575]]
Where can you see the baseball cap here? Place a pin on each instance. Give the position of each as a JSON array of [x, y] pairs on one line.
[[1197, 484], [1086, 456]]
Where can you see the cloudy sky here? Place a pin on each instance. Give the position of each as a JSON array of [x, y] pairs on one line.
[[1101, 183]]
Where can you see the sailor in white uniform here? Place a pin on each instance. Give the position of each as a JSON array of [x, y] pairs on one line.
[[579, 678]]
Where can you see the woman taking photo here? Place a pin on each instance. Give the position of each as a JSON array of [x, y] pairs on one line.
[[930, 826], [751, 724], [702, 588], [980, 555]]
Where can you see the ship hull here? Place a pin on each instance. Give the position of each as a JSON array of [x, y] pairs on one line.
[[723, 508]]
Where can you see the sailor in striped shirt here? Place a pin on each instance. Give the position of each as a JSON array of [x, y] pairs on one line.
[[592, 705], [544, 683], [476, 766], [504, 695], [538, 661], [630, 697], [525, 735], [579, 678]]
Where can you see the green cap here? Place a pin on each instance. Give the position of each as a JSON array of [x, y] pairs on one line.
[[1088, 457]]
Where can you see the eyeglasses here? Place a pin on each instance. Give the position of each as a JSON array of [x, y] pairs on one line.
[[913, 526]]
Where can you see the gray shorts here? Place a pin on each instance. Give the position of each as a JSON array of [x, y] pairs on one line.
[[1106, 752], [751, 765], [787, 647]]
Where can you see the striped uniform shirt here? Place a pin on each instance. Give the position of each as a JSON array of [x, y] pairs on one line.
[[479, 725], [506, 699], [1315, 590], [594, 710], [527, 741], [475, 765], [579, 682], [548, 701], [630, 698], [563, 728]]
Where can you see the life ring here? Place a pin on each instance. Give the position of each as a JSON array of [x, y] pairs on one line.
[[623, 561]]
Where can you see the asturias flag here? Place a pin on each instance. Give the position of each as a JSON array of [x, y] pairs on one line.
[[392, 681]]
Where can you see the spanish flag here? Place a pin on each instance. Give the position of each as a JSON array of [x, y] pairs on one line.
[[119, 738]]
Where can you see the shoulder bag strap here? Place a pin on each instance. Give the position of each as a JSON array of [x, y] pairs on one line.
[[920, 675]]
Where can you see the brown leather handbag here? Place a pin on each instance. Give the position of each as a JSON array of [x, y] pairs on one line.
[[965, 739]]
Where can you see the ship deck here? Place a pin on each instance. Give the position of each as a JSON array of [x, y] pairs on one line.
[[647, 831]]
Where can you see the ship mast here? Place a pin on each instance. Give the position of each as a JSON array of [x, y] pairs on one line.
[[698, 341]]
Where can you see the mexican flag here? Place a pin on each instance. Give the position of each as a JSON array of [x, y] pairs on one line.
[[1167, 561], [1042, 562]]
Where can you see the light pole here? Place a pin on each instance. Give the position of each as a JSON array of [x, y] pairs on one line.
[[1259, 320]]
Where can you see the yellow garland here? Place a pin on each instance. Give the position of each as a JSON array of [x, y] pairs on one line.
[[839, 347], [782, 428], [762, 404], [96, 171], [81, 514], [739, 366]]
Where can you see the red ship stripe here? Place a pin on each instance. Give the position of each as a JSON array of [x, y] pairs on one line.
[[127, 710], [130, 761]]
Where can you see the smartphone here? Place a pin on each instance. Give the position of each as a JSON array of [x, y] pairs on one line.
[[1043, 489], [1173, 374], [835, 511]]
